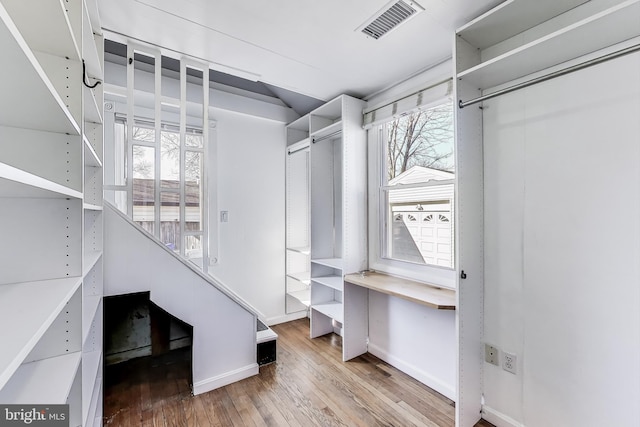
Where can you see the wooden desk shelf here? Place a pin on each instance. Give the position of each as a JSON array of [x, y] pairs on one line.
[[421, 293]]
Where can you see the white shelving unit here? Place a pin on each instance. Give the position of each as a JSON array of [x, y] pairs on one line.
[[27, 327], [338, 211], [330, 262], [93, 290], [303, 277], [51, 271], [26, 384], [532, 43], [298, 285], [333, 282], [514, 42]]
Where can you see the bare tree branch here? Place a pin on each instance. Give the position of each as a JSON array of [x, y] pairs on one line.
[[423, 138]]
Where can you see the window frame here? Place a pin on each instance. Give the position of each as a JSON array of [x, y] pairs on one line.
[[377, 210]]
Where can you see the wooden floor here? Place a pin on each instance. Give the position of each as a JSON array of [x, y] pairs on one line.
[[308, 386]]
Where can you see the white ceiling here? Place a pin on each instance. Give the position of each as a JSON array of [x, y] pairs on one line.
[[306, 46]]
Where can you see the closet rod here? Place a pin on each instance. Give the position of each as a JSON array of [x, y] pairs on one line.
[[322, 138], [595, 61], [305, 147]]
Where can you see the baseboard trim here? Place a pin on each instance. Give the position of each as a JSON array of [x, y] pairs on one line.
[[498, 418], [425, 378], [286, 318], [225, 379]]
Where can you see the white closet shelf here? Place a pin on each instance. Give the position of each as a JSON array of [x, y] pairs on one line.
[[89, 50], [90, 306], [332, 110], [301, 124], [91, 108], [90, 260], [329, 262], [43, 109], [90, 207], [43, 381], [24, 319], [40, 24], [614, 25], [91, 158], [334, 282], [512, 17], [327, 130], [330, 309], [301, 276], [303, 296], [16, 182], [93, 407], [305, 250]]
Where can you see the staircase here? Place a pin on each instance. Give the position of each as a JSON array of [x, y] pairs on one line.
[[225, 340]]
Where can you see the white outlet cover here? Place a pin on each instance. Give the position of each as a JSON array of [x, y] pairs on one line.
[[509, 362]]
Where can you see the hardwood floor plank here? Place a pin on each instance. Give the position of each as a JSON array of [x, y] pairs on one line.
[[229, 409], [309, 385], [268, 381], [415, 414], [215, 412]]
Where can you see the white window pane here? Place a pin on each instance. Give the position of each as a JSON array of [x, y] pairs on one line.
[[170, 220], [193, 250], [144, 186], [170, 159], [193, 191], [418, 149], [423, 139], [194, 139]]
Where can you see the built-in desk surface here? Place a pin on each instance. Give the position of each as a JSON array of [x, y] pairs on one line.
[[421, 293]]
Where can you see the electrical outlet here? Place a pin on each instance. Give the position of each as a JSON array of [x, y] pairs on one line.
[[509, 362], [491, 354]]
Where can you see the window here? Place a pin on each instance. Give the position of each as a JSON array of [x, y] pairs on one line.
[[155, 171], [170, 187], [412, 175]]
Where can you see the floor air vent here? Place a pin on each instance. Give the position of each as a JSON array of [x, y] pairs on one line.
[[389, 17]]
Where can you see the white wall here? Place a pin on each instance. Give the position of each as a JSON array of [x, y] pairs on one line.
[[562, 249], [418, 340], [250, 172]]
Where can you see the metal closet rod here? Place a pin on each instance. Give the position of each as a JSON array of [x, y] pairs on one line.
[[289, 152], [329, 136], [586, 64]]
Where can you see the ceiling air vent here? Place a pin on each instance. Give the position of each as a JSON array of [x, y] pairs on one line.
[[389, 17]]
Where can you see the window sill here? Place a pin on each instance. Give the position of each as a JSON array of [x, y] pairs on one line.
[[421, 293]]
